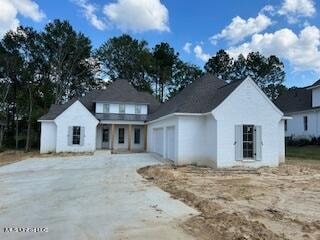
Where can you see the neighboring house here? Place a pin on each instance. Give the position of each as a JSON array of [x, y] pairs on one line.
[[209, 123], [303, 105]]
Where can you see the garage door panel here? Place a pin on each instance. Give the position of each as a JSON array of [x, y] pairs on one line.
[[158, 140], [170, 143]]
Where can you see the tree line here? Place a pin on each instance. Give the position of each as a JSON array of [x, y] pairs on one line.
[[41, 68]]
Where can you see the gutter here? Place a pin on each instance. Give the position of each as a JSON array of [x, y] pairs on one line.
[[179, 114], [45, 120], [305, 111], [286, 118]]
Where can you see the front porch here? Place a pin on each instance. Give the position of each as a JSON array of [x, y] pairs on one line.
[[119, 138]]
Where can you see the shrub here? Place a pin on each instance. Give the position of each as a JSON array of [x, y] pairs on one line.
[[300, 142]]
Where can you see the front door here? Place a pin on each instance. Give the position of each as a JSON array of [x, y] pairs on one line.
[[105, 138]]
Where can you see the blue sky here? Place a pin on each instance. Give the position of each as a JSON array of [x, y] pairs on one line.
[[196, 29]]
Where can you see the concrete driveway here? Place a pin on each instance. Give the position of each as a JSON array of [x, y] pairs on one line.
[[87, 197]]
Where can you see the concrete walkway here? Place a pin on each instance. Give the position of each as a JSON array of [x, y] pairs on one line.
[[87, 197]]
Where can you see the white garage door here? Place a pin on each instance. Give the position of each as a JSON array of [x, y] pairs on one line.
[[170, 146], [158, 140]]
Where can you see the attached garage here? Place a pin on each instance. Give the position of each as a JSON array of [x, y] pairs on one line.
[[158, 140], [170, 143]]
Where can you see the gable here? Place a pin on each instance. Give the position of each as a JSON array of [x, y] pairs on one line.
[[76, 112], [247, 99]]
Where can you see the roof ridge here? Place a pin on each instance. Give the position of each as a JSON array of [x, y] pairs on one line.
[[232, 82]]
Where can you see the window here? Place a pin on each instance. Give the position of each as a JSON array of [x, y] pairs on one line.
[[122, 108], [285, 125], [106, 108], [248, 131], [138, 109], [305, 123], [121, 136], [76, 131], [137, 136], [105, 135]]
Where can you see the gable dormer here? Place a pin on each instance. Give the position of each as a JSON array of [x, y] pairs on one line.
[[315, 88]]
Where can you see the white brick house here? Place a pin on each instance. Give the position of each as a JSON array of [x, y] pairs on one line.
[[303, 106], [209, 123]]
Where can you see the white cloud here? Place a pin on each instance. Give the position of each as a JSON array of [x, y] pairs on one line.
[[294, 9], [138, 15], [302, 50], [187, 47], [200, 54], [268, 9], [89, 12], [11, 8], [240, 28]]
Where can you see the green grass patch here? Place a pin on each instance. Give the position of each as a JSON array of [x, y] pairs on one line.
[[306, 152]]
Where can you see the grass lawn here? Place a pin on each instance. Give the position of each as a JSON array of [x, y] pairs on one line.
[[306, 152]]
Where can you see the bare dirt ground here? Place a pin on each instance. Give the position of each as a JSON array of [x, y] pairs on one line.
[[12, 156], [267, 203]]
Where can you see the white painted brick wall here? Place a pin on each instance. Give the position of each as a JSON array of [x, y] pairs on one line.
[[295, 126], [76, 115], [247, 106], [48, 137]]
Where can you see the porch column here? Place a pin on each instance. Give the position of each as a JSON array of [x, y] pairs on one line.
[[129, 137], [112, 137], [145, 137]]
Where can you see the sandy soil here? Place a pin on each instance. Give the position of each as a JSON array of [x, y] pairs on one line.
[[267, 203], [8, 157]]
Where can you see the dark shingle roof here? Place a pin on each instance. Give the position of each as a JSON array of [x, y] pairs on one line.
[[317, 83], [202, 96], [295, 100], [118, 91]]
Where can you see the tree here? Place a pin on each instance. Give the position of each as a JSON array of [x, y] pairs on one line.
[[127, 58], [183, 75], [267, 72], [238, 69], [165, 59], [68, 67], [220, 65], [22, 76], [28, 45], [11, 66], [4, 92]]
